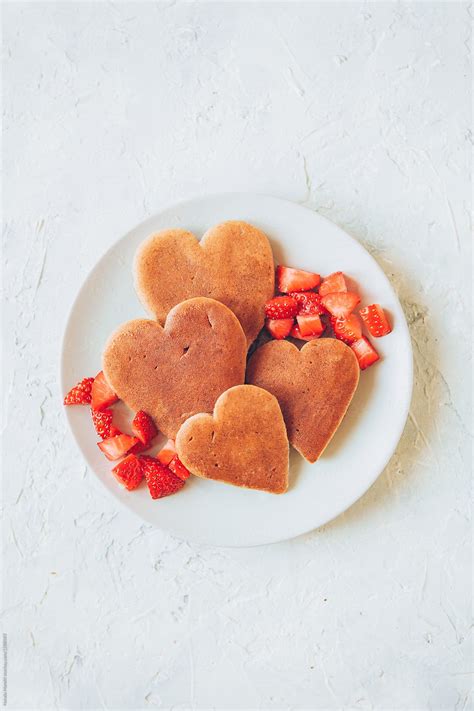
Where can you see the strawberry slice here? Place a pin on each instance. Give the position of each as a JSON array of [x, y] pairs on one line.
[[178, 468], [341, 304], [80, 394], [161, 480], [102, 393], [308, 302], [279, 328], [166, 454], [296, 333], [102, 422], [281, 307], [289, 279], [143, 427], [332, 284], [129, 472], [310, 324], [347, 329], [376, 320], [116, 447], [365, 352]]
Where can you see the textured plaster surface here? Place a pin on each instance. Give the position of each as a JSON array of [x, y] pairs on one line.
[[360, 111]]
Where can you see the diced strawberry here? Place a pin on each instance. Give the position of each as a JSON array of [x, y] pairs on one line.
[[310, 324], [129, 472], [178, 468], [342, 304], [365, 352], [166, 454], [347, 329], [332, 284], [102, 393], [296, 333], [376, 320], [102, 422], [116, 447], [281, 307], [139, 447], [160, 479], [80, 394], [289, 279], [143, 427], [308, 302], [279, 328], [114, 431]]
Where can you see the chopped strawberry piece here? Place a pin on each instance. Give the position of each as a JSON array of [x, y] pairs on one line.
[[116, 447], [347, 329], [143, 427], [160, 479], [308, 302], [102, 393], [166, 454], [365, 352], [332, 284], [279, 328], [289, 279], [139, 447], [342, 304], [310, 324], [281, 307], [129, 472], [114, 431], [296, 333], [80, 394], [178, 468], [102, 422], [376, 320]]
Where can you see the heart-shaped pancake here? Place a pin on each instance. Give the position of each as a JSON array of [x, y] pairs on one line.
[[232, 263], [314, 387], [175, 371], [243, 442]]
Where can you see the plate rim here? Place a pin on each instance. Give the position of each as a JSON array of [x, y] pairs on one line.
[[408, 391]]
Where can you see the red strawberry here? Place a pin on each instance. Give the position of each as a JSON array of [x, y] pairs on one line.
[[332, 284], [116, 447], [296, 333], [161, 480], [80, 394], [308, 302], [178, 468], [279, 328], [143, 427], [102, 422], [376, 320], [309, 325], [166, 454], [281, 307], [102, 393], [365, 352], [139, 447], [114, 431], [129, 472], [342, 304], [347, 329], [289, 279]]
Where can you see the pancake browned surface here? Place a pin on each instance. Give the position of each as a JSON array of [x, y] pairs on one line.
[[232, 263], [176, 371], [314, 387], [243, 443]]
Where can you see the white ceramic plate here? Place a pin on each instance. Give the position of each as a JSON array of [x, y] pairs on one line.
[[216, 513]]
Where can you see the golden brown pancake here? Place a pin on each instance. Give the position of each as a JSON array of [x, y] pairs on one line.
[[243, 443], [232, 263], [314, 387], [174, 371]]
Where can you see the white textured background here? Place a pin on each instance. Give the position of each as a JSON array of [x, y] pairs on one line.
[[360, 111]]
